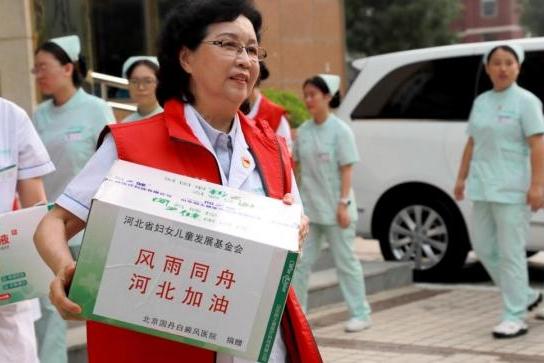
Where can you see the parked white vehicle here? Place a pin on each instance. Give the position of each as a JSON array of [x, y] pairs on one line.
[[409, 113]]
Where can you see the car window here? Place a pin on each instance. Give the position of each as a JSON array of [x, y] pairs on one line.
[[438, 89], [531, 76]]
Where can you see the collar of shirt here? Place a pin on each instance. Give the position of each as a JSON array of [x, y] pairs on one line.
[[212, 133], [255, 107], [72, 102]]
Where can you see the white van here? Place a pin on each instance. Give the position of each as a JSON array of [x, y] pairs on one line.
[[409, 113]]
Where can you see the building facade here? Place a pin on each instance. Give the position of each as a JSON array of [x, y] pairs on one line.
[[484, 20]]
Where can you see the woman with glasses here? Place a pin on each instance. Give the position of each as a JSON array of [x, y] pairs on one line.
[[69, 124], [209, 61], [326, 152], [141, 73], [503, 162]]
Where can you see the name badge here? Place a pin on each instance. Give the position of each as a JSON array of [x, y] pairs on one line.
[[323, 157], [74, 136]]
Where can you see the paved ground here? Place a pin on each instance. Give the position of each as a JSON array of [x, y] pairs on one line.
[[428, 323]]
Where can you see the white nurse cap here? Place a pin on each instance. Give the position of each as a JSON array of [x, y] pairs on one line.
[[520, 53], [332, 81], [70, 44], [129, 62]]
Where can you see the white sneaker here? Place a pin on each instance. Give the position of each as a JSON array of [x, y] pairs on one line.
[[357, 324], [510, 329]]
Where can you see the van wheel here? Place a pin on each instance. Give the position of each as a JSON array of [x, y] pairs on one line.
[[425, 231]]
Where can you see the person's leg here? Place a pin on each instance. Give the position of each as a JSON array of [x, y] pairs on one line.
[[349, 269], [17, 337], [310, 253], [51, 334], [513, 229], [484, 239]]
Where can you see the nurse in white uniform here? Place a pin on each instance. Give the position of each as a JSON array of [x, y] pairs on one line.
[[69, 124], [503, 165], [23, 161], [141, 73]]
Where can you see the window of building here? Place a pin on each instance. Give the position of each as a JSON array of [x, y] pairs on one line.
[[438, 89], [489, 8]]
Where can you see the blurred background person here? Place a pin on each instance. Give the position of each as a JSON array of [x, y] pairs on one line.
[[141, 73], [261, 108], [69, 124], [503, 161], [325, 150], [23, 161]]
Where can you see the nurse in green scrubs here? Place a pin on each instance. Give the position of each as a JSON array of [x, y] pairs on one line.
[[503, 166], [325, 150], [69, 124], [141, 73]]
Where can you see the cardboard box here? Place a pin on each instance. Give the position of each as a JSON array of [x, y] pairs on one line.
[[23, 274], [187, 260]]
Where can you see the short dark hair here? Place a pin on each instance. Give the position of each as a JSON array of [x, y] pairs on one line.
[[320, 84], [502, 47], [186, 26], [80, 68], [264, 73], [143, 62]]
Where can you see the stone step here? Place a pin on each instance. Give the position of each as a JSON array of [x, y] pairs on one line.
[[379, 276]]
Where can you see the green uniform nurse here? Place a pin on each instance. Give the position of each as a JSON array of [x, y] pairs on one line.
[[325, 150], [502, 164], [69, 124], [141, 73]]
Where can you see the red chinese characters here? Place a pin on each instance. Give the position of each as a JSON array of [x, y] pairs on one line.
[[195, 295]]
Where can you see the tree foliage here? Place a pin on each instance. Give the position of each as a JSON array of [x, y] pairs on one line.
[[381, 26], [532, 16], [296, 111]]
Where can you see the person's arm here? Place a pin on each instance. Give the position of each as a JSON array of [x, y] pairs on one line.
[[459, 189], [535, 195], [342, 215], [51, 240], [31, 192]]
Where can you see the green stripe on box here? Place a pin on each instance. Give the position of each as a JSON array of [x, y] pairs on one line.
[[277, 307]]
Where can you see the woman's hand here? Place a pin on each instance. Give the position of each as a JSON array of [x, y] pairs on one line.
[[57, 294], [342, 216], [459, 190], [535, 197], [304, 226]]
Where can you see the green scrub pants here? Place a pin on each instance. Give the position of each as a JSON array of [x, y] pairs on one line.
[[348, 267], [500, 232], [51, 334]]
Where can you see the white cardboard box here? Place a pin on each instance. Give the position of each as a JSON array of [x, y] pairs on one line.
[[187, 260], [23, 274]]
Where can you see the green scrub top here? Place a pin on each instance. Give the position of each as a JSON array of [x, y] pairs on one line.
[[70, 133], [500, 123], [320, 150]]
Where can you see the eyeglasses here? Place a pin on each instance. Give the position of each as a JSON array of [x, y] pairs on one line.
[[43, 69], [254, 52], [145, 82]]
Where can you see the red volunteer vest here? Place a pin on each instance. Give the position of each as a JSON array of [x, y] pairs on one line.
[[271, 112], [166, 142]]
